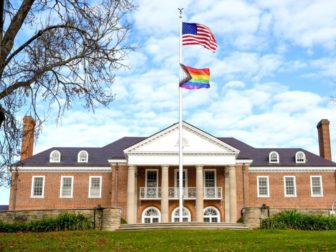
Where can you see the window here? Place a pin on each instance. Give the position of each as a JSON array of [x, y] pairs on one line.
[[151, 178], [273, 157], [37, 190], [151, 215], [316, 186], [290, 186], [211, 215], [95, 187], [300, 157], [66, 187], [209, 178], [55, 157], [177, 178], [263, 186], [186, 217], [83, 157]]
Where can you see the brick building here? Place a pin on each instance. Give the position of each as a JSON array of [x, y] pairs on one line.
[[222, 176]]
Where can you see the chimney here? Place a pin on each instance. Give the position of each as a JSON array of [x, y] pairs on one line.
[[324, 139], [27, 137]]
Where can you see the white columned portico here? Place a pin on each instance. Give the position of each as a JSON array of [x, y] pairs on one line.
[[199, 193], [131, 195], [227, 194], [164, 194], [233, 194]]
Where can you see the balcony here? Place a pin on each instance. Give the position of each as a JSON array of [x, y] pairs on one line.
[[189, 193]]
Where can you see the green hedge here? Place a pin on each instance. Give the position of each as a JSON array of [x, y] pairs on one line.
[[62, 222], [299, 221]]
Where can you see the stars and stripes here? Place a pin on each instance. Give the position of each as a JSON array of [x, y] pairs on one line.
[[198, 34]]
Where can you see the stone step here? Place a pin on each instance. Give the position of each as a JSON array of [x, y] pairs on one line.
[[189, 225]]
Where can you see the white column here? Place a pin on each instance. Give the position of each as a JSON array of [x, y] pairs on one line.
[[227, 195], [131, 196], [199, 194], [233, 195], [164, 194]]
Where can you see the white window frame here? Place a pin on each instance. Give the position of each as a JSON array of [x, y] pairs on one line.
[[186, 177], [215, 171], [87, 157], [61, 187], [216, 210], [268, 187], [33, 185], [100, 187], [285, 191], [311, 186], [144, 211], [157, 177], [176, 209], [270, 160], [59, 157], [296, 157]]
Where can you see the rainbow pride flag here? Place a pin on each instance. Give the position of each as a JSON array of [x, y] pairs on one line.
[[195, 78]]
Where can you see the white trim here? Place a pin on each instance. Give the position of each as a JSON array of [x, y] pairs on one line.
[[244, 161], [33, 185], [217, 211], [145, 210], [61, 187], [175, 177], [291, 169], [177, 208], [117, 161], [59, 157], [215, 171], [270, 159], [100, 187], [311, 186], [285, 191], [65, 169], [157, 177], [268, 187], [304, 157], [87, 156]]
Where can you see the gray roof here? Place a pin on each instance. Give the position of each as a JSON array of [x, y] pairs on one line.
[[100, 156], [4, 207]]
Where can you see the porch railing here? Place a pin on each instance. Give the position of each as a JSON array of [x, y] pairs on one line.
[[212, 192], [188, 193], [150, 192]]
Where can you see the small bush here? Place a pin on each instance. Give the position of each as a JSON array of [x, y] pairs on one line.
[[299, 221], [62, 222]]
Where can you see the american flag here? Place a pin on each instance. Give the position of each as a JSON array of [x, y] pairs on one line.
[[198, 34]]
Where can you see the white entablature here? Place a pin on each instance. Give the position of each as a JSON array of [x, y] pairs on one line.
[[199, 148]]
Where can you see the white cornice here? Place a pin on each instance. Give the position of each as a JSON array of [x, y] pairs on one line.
[[244, 161], [64, 169], [117, 161], [292, 169]]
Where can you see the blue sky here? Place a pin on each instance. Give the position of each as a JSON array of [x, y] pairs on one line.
[[272, 77]]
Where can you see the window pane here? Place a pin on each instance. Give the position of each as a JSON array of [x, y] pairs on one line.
[[263, 187], [66, 189], [95, 187], [316, 186], [209, 177], [38, 186], [178, 179], [290, 186], [151, 178]]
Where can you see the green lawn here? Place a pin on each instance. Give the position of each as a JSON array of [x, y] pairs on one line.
[[171, 240]]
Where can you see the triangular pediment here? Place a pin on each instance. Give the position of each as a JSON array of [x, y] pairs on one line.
[[195, 141]]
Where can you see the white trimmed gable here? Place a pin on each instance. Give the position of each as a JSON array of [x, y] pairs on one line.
[[198, 148]]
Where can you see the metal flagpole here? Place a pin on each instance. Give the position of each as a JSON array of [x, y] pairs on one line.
[[180, 129]]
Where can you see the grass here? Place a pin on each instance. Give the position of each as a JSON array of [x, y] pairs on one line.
[[171, 240]]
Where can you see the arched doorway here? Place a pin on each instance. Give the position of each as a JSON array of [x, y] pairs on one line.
[[185, 214], [151, 215], [211, 215]]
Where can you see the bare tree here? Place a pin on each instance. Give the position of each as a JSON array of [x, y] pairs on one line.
[[54, 53]]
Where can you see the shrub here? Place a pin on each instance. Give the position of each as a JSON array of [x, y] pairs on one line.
[[296, 220], [62, 222]]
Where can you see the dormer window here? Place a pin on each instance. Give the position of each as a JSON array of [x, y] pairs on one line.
[[83, 156], [300, 157], [273, 157], [55, 157]]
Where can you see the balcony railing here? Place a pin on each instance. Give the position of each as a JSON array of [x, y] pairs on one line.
[[189, 193]]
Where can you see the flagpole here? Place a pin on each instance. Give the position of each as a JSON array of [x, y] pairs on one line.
[[180, 128]]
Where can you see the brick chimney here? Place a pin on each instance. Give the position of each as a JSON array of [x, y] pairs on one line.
[[324, 139], [27, 137]]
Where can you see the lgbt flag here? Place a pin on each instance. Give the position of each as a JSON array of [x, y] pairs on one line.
[[195, 78], [198, 34]]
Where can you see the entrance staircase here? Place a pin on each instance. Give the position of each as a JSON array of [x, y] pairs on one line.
[[184, 225]]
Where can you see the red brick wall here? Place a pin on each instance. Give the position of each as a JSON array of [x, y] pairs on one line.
[[52, 198]]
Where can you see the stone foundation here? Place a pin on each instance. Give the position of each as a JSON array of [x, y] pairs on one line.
[[103, 218]]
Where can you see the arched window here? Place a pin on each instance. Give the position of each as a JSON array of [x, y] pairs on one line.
[[151, 215], [185, 215], [83, 157], [274, 157], [300, 157], [211, 215], [55, 157]]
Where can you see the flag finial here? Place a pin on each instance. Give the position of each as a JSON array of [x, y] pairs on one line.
[[180, 10]]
